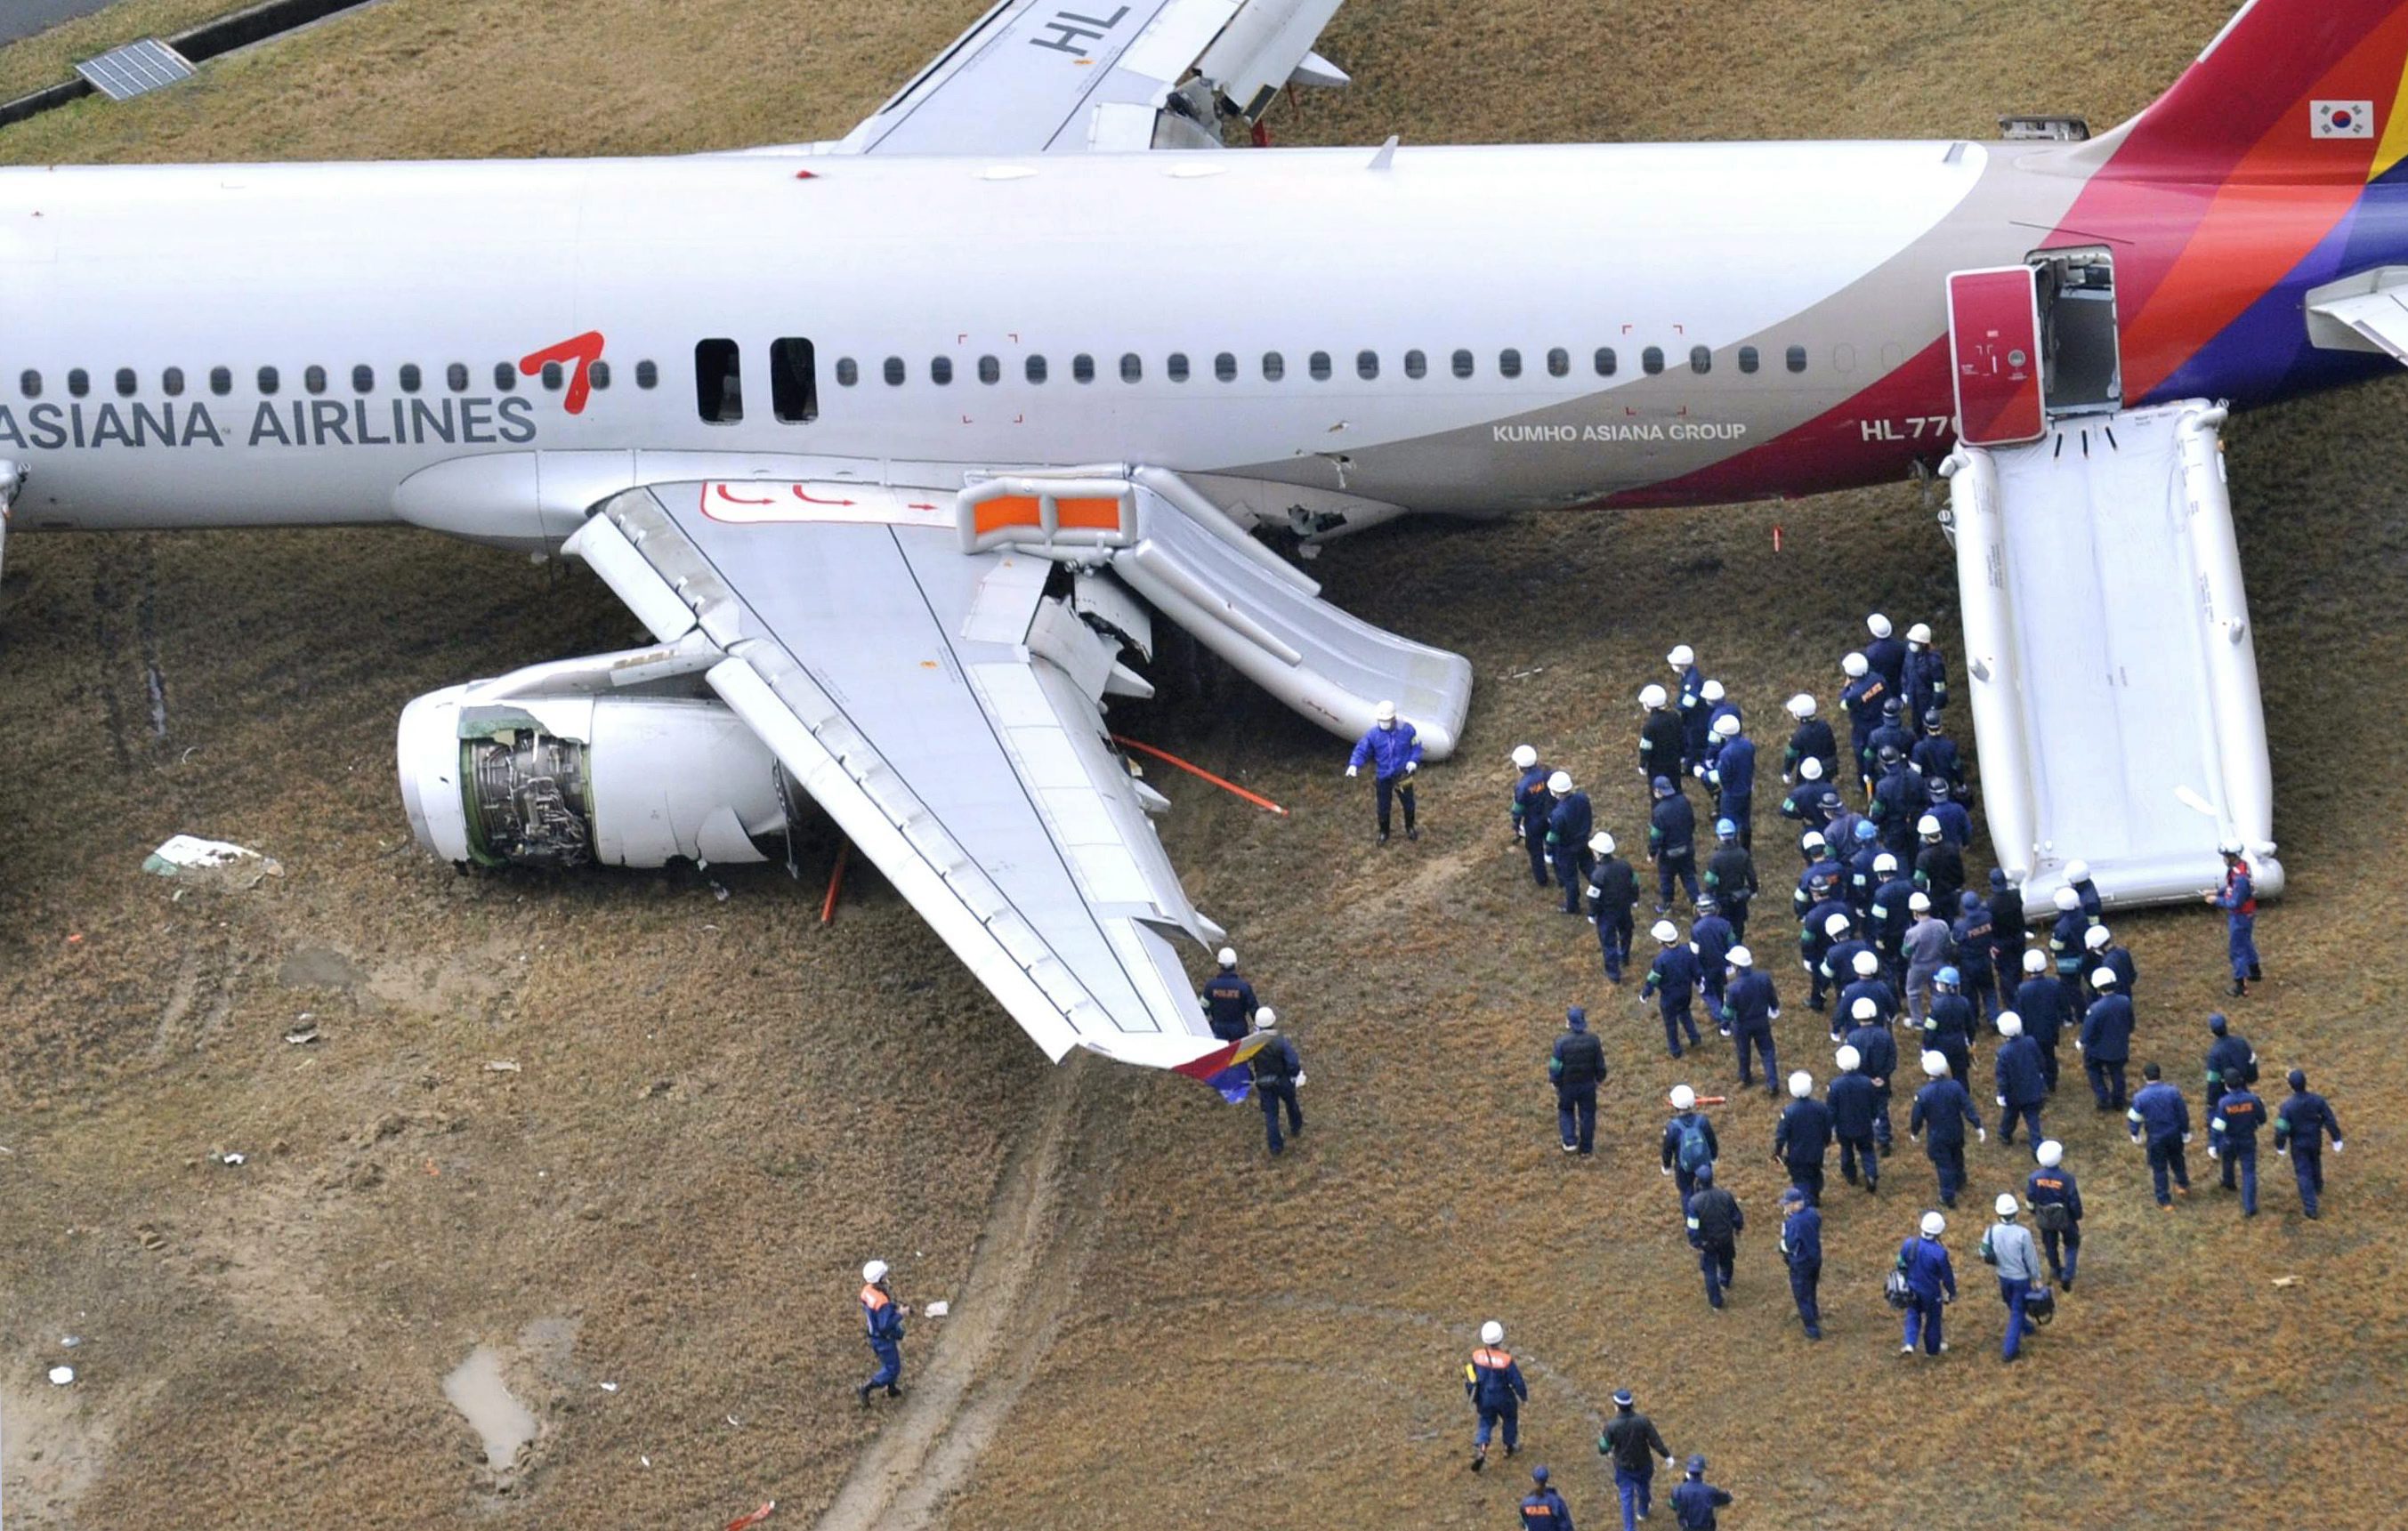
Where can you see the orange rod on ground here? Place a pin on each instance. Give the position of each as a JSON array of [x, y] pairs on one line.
[[836, 883], [1199, 770]]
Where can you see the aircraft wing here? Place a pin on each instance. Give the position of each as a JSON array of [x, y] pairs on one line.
[[943, 706], [1050, 76]]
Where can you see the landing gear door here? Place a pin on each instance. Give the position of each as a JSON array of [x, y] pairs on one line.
[[1994, 351]]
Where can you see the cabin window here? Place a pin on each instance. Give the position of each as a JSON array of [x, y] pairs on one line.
[[990, 370], [222, 381], [1132, 368], [455, 377], [314, 379], [1034, 369], [940, 370], [597, 376], [893, 372], [718, 381], [1651, 361], [1416, 364], [1559, 362], [1367, 365], [1797, 359], [1747, 358], [1082, 369], [505, 380], [1463, 364], [171, 382], [553, 377], [1224, 366], [269, 381], [79, 382], [29, 382], [1509, 362], [794, 378], [1318, 364], [647, 374], [848, 372], [1605, 361], [1701, 358], [411, 380], [127, 383], [363, 380], [1274, 367], [1175, 365]]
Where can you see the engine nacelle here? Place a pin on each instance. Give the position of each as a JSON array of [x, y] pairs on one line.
[[579, 781]]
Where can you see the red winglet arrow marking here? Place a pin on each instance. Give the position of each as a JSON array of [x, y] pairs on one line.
[[737, 499], [809, 500], [577, 353]]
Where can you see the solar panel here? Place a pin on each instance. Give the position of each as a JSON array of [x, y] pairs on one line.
[[123, 73]]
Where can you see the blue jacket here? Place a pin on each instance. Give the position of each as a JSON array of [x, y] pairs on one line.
[[2065, 938], [1545, 1511], [1568, 824], [1863, 698], [2231, 1050], [1885, 1000], [1751, 1004], [1819, 882], [883, 1316], [2239, 895], [1886, 658], [2303, 1122], [1530, 798], [1862, 882], [1694, 1503], [2238, 1117], [2041, 1004], [1944, 1110], [1493, 1380], [1891, 915], [1811, 804], [1948, 1019], [1812, 739], [1801, 1237], [1924, 677], [1734, 770], [2158, 1112], [2107, 1030], [1928, 1269], [1893, 734], [1876, 1051], [1674, 972], [1804, 1135], [2054, 1185], [1673, 828], [1936, 755], [2094, 907], [1839, 962], [1854, 1104], [2020, 1079], [1956, 824], [1711, 938], [1389, 751], [1812, 941], [2119, 962], [1230, 1001], [1275, 1061], [1678, 1127]]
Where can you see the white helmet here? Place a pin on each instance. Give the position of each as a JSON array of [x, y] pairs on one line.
[[1713, 691], [1836, 926], [1740, 956], [1927, 826], [2035, 961], [1682, 1097], [1228, 957], [1726, 726], [1935, 1064], [1811, 767], [873, 1273], [1866, 965], [1812, 841], [1384, 712], [1934, 1224], [1663, 931], [1681, 656], [1878, 625], [2050, 1154], [1524, 757], [1560, 783], [1266, 1018], [1650, 696], [1884, 863], [1919, 632], [1801, 707], [1918, 903], [2009, 1023], [2007, 1204], [2103, 979], [1601, 843], [2096, 937], [2228, 847], [1865, 1010], [2067, 900], [1854, 666], [1802, 1085], [1847, 1058], [1492, 1333], [2077, 871]]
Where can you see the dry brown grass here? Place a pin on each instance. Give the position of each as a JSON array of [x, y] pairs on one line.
[[1252, 1344]]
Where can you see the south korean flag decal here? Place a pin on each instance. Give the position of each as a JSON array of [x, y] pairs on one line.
[[2341, 118]]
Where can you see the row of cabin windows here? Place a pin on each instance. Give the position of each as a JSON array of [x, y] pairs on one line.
[[457, 378], [794, 385]]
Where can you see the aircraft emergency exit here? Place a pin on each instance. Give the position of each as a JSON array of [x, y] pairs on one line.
[[902, 522]]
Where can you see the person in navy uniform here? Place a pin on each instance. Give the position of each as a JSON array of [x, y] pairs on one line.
[[1885, 655], [2040, 999], [2101, 951], [1613, 894], [1662, 737], [1631, 1441], [2022, 1084], [1732, 774], [1530, 811], [1673, 982], [1810, 740], [1801, 1246], [1542, 1507], [1731, 877], [1673, 843], [1935, 756], [1394, 751], [1749, 1008], [1694, 1500], [2008, 935], [1948, 1025], [1711, 938], [1802, 1138], [2161, 1121], [2106, 1041], [2229, 1050], [1494, 1384], [1813, 802], [1277, 1072], [1854, 1103], [2233, 1137], [1689, 1143], [885, 1317], [1229, 1000], [2055, 1201], [2301, 1124], [1862, 698], [1714, 1224], [2238, 899], [1878, 1049], [1691, 705], [1942, 1110], [1568, 827], [1577, 1067], [1930, 1284], [1924, 676], [1975, 951]]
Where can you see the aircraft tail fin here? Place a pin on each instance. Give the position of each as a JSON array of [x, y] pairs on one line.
[[2290, 90]]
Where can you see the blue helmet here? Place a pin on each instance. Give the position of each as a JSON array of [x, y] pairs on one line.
[[1663, 786], [1865, 830], [1726, 830], [1947, 978]]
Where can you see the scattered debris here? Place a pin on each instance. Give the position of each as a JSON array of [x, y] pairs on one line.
[[61, 1376], [302, 1034], [2287, 1281], [227, 1158], [745, 1523], [1524, 675], [609, 1387], [75, 938], [646, 1461], [502, 1065], [189, 856], [68, 1342], [734, 1421], [937, 1309], [717, 892]]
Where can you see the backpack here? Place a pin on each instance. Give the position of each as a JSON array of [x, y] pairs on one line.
[[1896, 1292], [2053, 1216], [1694, 1153], [2040, 1303]]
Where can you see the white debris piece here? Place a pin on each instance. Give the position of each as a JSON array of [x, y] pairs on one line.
[[61, 1376], [937, 1309], [185, 855]]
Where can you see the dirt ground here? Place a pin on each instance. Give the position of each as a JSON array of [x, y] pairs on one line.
[[719, 1108]]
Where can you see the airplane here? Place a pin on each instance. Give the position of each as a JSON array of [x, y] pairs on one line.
[[900, 445]]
